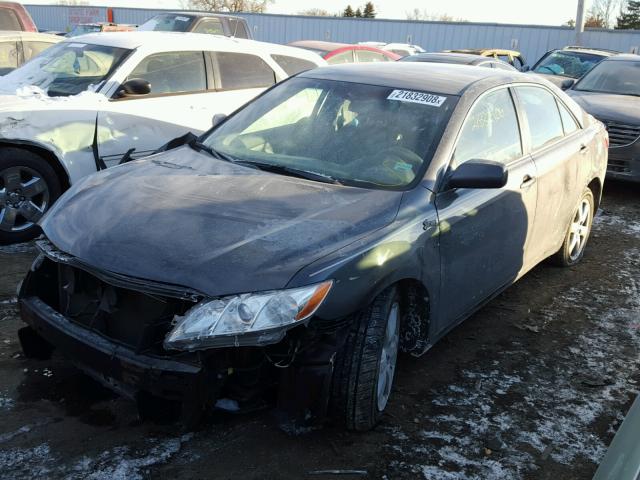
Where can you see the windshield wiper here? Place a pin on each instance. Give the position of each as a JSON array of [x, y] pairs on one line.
[[199, 146], [290, 171]]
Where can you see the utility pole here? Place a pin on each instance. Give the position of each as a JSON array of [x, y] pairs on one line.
[[579, 22]]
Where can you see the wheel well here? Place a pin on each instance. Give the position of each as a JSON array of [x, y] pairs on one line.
[[416, 316], [596, 188], [49, 156]]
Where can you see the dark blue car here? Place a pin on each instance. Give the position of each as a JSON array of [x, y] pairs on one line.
[[346, 214]]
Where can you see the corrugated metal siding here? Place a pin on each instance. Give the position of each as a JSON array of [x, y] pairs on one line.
[[532, 41]]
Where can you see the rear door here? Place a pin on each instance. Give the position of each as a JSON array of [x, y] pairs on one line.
[[558, 147], [180, 101], [485, 233]]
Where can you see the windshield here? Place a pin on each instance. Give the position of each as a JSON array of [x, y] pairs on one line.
[[620, 77], [168, 23], [567, 63], [67, 68], [361, 135], [82, 29]]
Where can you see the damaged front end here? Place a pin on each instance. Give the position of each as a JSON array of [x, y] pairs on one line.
[[162, 344]]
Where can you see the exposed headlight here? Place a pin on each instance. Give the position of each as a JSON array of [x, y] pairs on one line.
[[248, 319]]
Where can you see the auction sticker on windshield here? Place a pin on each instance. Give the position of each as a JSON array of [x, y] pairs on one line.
[[417, 97]]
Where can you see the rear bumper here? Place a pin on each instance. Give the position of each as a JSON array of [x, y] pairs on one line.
[[114, 365], [624, 162]]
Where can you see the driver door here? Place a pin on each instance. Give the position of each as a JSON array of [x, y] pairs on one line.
[[484, 232], [179, 102]]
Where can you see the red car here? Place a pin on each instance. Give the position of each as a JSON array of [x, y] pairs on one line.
[[13, 16], [335, 53]]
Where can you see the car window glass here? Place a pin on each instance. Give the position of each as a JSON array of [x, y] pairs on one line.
[[542, 113], [343, 57], [568, 122], [567, 63], [490, 131], [9, 20], [237, 28], [293, 65], [8, 56], [299, 107], [368, 135], [168, 23], [504, 58], [369, 56], [173, 72], [612, 76], [210, 26], [31, 49], [241, 70]]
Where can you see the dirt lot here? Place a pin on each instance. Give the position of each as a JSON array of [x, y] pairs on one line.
[[533, 386]]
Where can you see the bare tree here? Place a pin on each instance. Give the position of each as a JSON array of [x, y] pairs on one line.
[[252, 6], [425, 15], [316, 12], [604, 12]]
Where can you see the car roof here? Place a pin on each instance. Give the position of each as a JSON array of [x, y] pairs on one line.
[[623, 57], [153, 42], [190, 13], [444, 78], [453, 57], [319, 45], [5, 34], [596, 51], [485, 51]]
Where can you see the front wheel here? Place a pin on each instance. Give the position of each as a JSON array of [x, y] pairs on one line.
[[28, 187], [365, 368], [577, 235]]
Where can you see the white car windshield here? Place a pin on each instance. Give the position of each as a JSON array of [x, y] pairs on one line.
[[67, 68], [618, 77], [355, 134], [567, 63]]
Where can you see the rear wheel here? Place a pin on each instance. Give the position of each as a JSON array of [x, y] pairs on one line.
[[28, 187], [365, 368], [575, 241]]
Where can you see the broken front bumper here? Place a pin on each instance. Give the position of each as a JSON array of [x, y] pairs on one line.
[[114, 365]]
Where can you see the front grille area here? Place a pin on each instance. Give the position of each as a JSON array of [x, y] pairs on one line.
[[135, 319], [621, 135], [619, 166]]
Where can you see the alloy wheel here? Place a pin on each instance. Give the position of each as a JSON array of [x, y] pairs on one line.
[[579, 231], [24, 198], [388, 356]]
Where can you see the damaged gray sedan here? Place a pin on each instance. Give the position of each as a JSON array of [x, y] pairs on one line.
[[290, 253]]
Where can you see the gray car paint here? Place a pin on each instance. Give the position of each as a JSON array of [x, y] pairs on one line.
[[186, 219]]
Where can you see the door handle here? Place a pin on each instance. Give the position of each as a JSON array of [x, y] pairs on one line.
[[584, 149], [527, 181]]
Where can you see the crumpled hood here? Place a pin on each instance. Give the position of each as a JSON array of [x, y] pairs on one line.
[[184, 218], [605, 106]]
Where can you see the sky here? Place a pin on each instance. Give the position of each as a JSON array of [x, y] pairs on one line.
[[541, 12]]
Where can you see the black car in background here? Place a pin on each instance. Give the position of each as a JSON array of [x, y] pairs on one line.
[[459, 59], [348, 213], [611, 93], [199, 22], [564, 66]]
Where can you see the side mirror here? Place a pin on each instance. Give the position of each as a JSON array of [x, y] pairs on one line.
[[134, 87], [567, 84], [479, 174], [218, 118]]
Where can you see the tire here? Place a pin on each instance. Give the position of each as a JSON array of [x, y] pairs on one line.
[[577, 236], [357, 376], [28, 188]]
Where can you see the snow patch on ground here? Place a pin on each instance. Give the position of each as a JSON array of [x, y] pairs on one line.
[[119, 463], [18, 248], [611, 220], [471, 436], [6, 403]]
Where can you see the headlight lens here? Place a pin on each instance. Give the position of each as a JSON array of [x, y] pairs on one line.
[[247, 319]]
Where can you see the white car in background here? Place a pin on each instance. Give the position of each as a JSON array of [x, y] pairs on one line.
[[86, 102], [402, 49]]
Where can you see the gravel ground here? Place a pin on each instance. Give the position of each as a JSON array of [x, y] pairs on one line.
[[532, 386]]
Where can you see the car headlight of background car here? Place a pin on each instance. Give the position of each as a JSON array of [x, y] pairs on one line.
[[260, 318]]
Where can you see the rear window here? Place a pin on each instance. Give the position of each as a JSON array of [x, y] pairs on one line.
[[211, 26], [168, 23], [293, 65], [237, 28], [9, 20], [241, 70], [8, 57]]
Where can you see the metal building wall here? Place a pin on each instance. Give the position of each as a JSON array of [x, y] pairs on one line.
[[532, 41]]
